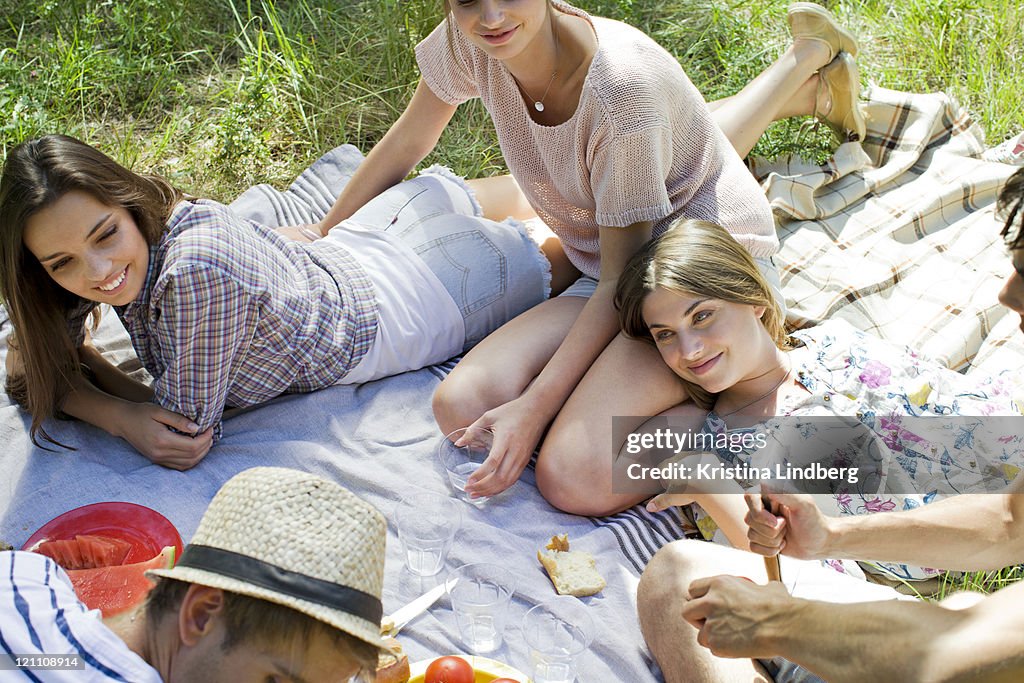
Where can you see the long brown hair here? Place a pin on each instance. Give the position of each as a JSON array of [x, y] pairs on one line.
[[700, 259], [36, 174], [1011, 207]]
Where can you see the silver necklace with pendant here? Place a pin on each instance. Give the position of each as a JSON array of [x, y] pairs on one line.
[[539, 104]]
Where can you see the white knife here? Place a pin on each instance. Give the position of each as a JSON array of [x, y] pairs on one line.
[[394, 622]]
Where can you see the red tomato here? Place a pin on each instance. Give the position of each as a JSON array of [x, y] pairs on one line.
[[449, 670]]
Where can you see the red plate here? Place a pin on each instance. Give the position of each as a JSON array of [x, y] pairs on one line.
[[147, 530]]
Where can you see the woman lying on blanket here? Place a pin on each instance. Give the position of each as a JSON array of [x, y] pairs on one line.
[[697, 296], [610, 143], [226, 312]]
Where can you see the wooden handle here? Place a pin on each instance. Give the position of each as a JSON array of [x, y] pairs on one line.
[[771, 564]]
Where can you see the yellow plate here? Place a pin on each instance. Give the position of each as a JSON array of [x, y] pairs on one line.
[[486, 670]]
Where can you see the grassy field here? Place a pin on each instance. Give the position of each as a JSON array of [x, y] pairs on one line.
[[219, 94]]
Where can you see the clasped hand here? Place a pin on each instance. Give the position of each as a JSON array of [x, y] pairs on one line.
[[799, 529], [735, 617], [165, 437]]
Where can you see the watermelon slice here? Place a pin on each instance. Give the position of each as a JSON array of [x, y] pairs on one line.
[[115, 589], [104, 550], [86, 551]]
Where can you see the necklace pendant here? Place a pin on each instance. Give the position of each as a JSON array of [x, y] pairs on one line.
[[539, 106]]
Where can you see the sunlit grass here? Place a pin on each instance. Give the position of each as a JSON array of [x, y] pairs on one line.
[[980, 582], [219, 94]]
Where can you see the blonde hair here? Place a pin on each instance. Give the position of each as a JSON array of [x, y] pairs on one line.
[[700, 259]]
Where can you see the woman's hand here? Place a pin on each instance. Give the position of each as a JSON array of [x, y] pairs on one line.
[[799, 529], [147, 427], [695, 489], [301, 233], [517, 428]]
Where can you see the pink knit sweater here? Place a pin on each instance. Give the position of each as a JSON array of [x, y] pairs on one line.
[[641, 145]]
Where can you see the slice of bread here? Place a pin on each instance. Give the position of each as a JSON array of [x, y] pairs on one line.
[[573, 572], [393, 666]]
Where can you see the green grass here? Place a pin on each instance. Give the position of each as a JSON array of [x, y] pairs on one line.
[[946, 585], [219, 94], [980, 582]]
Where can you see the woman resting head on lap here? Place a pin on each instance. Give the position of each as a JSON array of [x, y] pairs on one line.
[[705, 304], [700, 299], [223, 311]]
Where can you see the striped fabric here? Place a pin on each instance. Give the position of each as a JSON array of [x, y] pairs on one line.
[[233, 314], [899, 237], [42, 616]]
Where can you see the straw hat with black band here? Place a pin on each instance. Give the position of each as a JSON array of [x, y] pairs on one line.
[[294, 539]]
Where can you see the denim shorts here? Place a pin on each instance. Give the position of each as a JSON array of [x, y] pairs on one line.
[[493, 271]]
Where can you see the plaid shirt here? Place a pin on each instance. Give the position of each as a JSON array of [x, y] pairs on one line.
[[233, 314]]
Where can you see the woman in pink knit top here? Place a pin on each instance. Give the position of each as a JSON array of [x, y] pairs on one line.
[[608, 142]]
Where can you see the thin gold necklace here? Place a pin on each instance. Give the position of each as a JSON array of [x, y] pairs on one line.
[[762, 396], [539, 104]]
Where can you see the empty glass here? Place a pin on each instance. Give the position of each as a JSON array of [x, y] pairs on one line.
[[480, 594], [557, 631], [427, 523]]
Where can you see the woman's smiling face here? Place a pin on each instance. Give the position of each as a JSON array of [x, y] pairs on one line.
[[88, 248], [709, 342], [501, 28]]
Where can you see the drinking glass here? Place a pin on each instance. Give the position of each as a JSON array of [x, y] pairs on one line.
[[557, 631], [480, 594], [462, 461], [427, 523]]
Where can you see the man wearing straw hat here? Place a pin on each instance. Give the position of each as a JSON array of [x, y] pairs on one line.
[[281, 582]]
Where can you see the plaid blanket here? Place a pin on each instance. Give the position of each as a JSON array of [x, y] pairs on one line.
[[899, 235]]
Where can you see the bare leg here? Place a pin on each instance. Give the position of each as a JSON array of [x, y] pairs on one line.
[[786, 88], [499, 368], [501, 197], [574, 469], [660, 599], [579, 457]]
